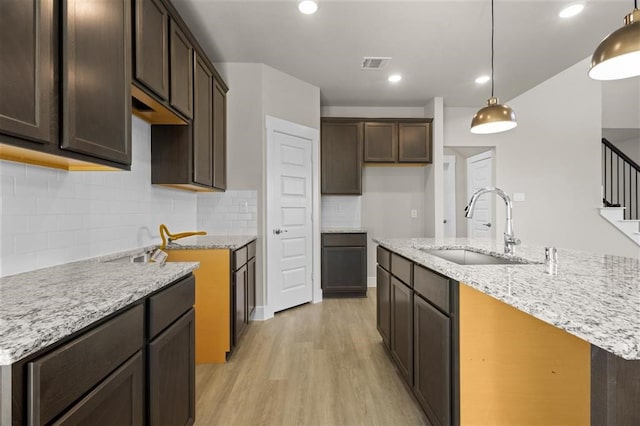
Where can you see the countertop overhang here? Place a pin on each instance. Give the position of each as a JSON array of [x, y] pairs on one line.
[[594, 297]]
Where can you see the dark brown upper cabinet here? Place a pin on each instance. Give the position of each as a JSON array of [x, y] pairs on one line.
[[341, 157], [91, 61], [96, 78], [151, 58], [380, 142], [181, 71], [193, 157], [27, 59], [414, 142], [397, 141], [203, 124], [219, 135]]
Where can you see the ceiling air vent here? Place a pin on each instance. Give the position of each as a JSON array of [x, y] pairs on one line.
[[374, 62]]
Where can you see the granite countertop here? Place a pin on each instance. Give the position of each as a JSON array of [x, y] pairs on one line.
[[594, 297], [343, 231], [231, 242], [40, 307]]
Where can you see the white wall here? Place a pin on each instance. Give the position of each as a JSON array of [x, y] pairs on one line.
[[621, 104], [257, 90], [554, 157], [228, 213], [341, 211], [49, 217]]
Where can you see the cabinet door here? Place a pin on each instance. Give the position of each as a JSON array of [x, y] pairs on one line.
[[171, 374], [96, 78], [27, 50], [383, 304], [239, 300], [117, 401], [219, 136], [181, 71], [432, 380], [414, 143], [202, 124], [402, 328], [341, 158], [344, 271], [380, 142], [151, 46], [251, 287]]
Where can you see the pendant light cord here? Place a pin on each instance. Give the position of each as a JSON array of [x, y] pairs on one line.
[[492, 33]]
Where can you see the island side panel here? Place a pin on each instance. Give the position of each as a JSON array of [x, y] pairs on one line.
[[516, 369], [615, 389], [213, 317]]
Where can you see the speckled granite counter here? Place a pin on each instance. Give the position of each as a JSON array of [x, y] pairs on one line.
[[343, 231], [231, 242], [40, 307], [594, 297]]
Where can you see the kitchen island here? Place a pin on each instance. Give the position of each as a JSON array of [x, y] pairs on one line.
[[74, 336], [527, 346]]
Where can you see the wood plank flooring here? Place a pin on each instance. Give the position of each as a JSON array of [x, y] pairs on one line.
[[321, 364]]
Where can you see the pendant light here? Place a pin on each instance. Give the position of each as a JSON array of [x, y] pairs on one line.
[[495, 117], [618, 55]]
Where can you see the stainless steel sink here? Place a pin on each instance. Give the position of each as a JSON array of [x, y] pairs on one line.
[[468, 257]]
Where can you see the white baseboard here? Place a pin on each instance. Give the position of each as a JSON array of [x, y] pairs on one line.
[[371, 281], [261, 314]]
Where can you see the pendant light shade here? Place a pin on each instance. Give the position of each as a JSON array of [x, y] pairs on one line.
[[618, 55], [495, 117]]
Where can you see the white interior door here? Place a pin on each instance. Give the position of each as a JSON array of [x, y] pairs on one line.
[[449, 196], [479, 175], [289, 230]]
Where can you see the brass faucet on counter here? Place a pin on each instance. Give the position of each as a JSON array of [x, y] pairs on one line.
[[168, 237]]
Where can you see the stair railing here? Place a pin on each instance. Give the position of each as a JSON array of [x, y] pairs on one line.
[[620, 176]]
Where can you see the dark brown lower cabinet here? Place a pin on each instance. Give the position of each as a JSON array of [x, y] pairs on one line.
[[432, 361], [344, 264], [172, 374], [251, 286], [383, 305], [402, 328], [240, 299], [117, 401], [135, 367]]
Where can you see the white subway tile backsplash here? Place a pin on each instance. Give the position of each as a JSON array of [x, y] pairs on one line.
[[49, 216], [228, 213], [341, 211]]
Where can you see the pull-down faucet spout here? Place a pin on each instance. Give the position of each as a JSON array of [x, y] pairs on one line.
[[509, 239]]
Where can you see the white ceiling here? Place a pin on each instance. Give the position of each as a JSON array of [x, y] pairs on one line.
[[439, 47]]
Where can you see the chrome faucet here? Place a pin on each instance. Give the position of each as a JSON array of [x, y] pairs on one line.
[[509, 239]]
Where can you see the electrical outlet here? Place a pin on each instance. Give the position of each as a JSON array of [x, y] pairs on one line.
[[518, 196], [414, 213]]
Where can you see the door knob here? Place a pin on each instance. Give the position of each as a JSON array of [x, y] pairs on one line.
[[488, 225], [279, 231]]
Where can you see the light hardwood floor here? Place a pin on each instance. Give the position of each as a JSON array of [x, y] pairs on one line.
[[320, 364]]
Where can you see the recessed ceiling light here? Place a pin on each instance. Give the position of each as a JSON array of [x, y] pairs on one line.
[[572, 10], [483, 79], [394, 78], [308, 7]]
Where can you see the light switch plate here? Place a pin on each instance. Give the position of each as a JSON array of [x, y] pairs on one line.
[[414, 213]]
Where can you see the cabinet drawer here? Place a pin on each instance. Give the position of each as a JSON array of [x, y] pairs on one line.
[[384, 258], [344, 240], [401, 268], [61, 377], [239, 257], [432, 287], [251, 250], [167, 306]]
